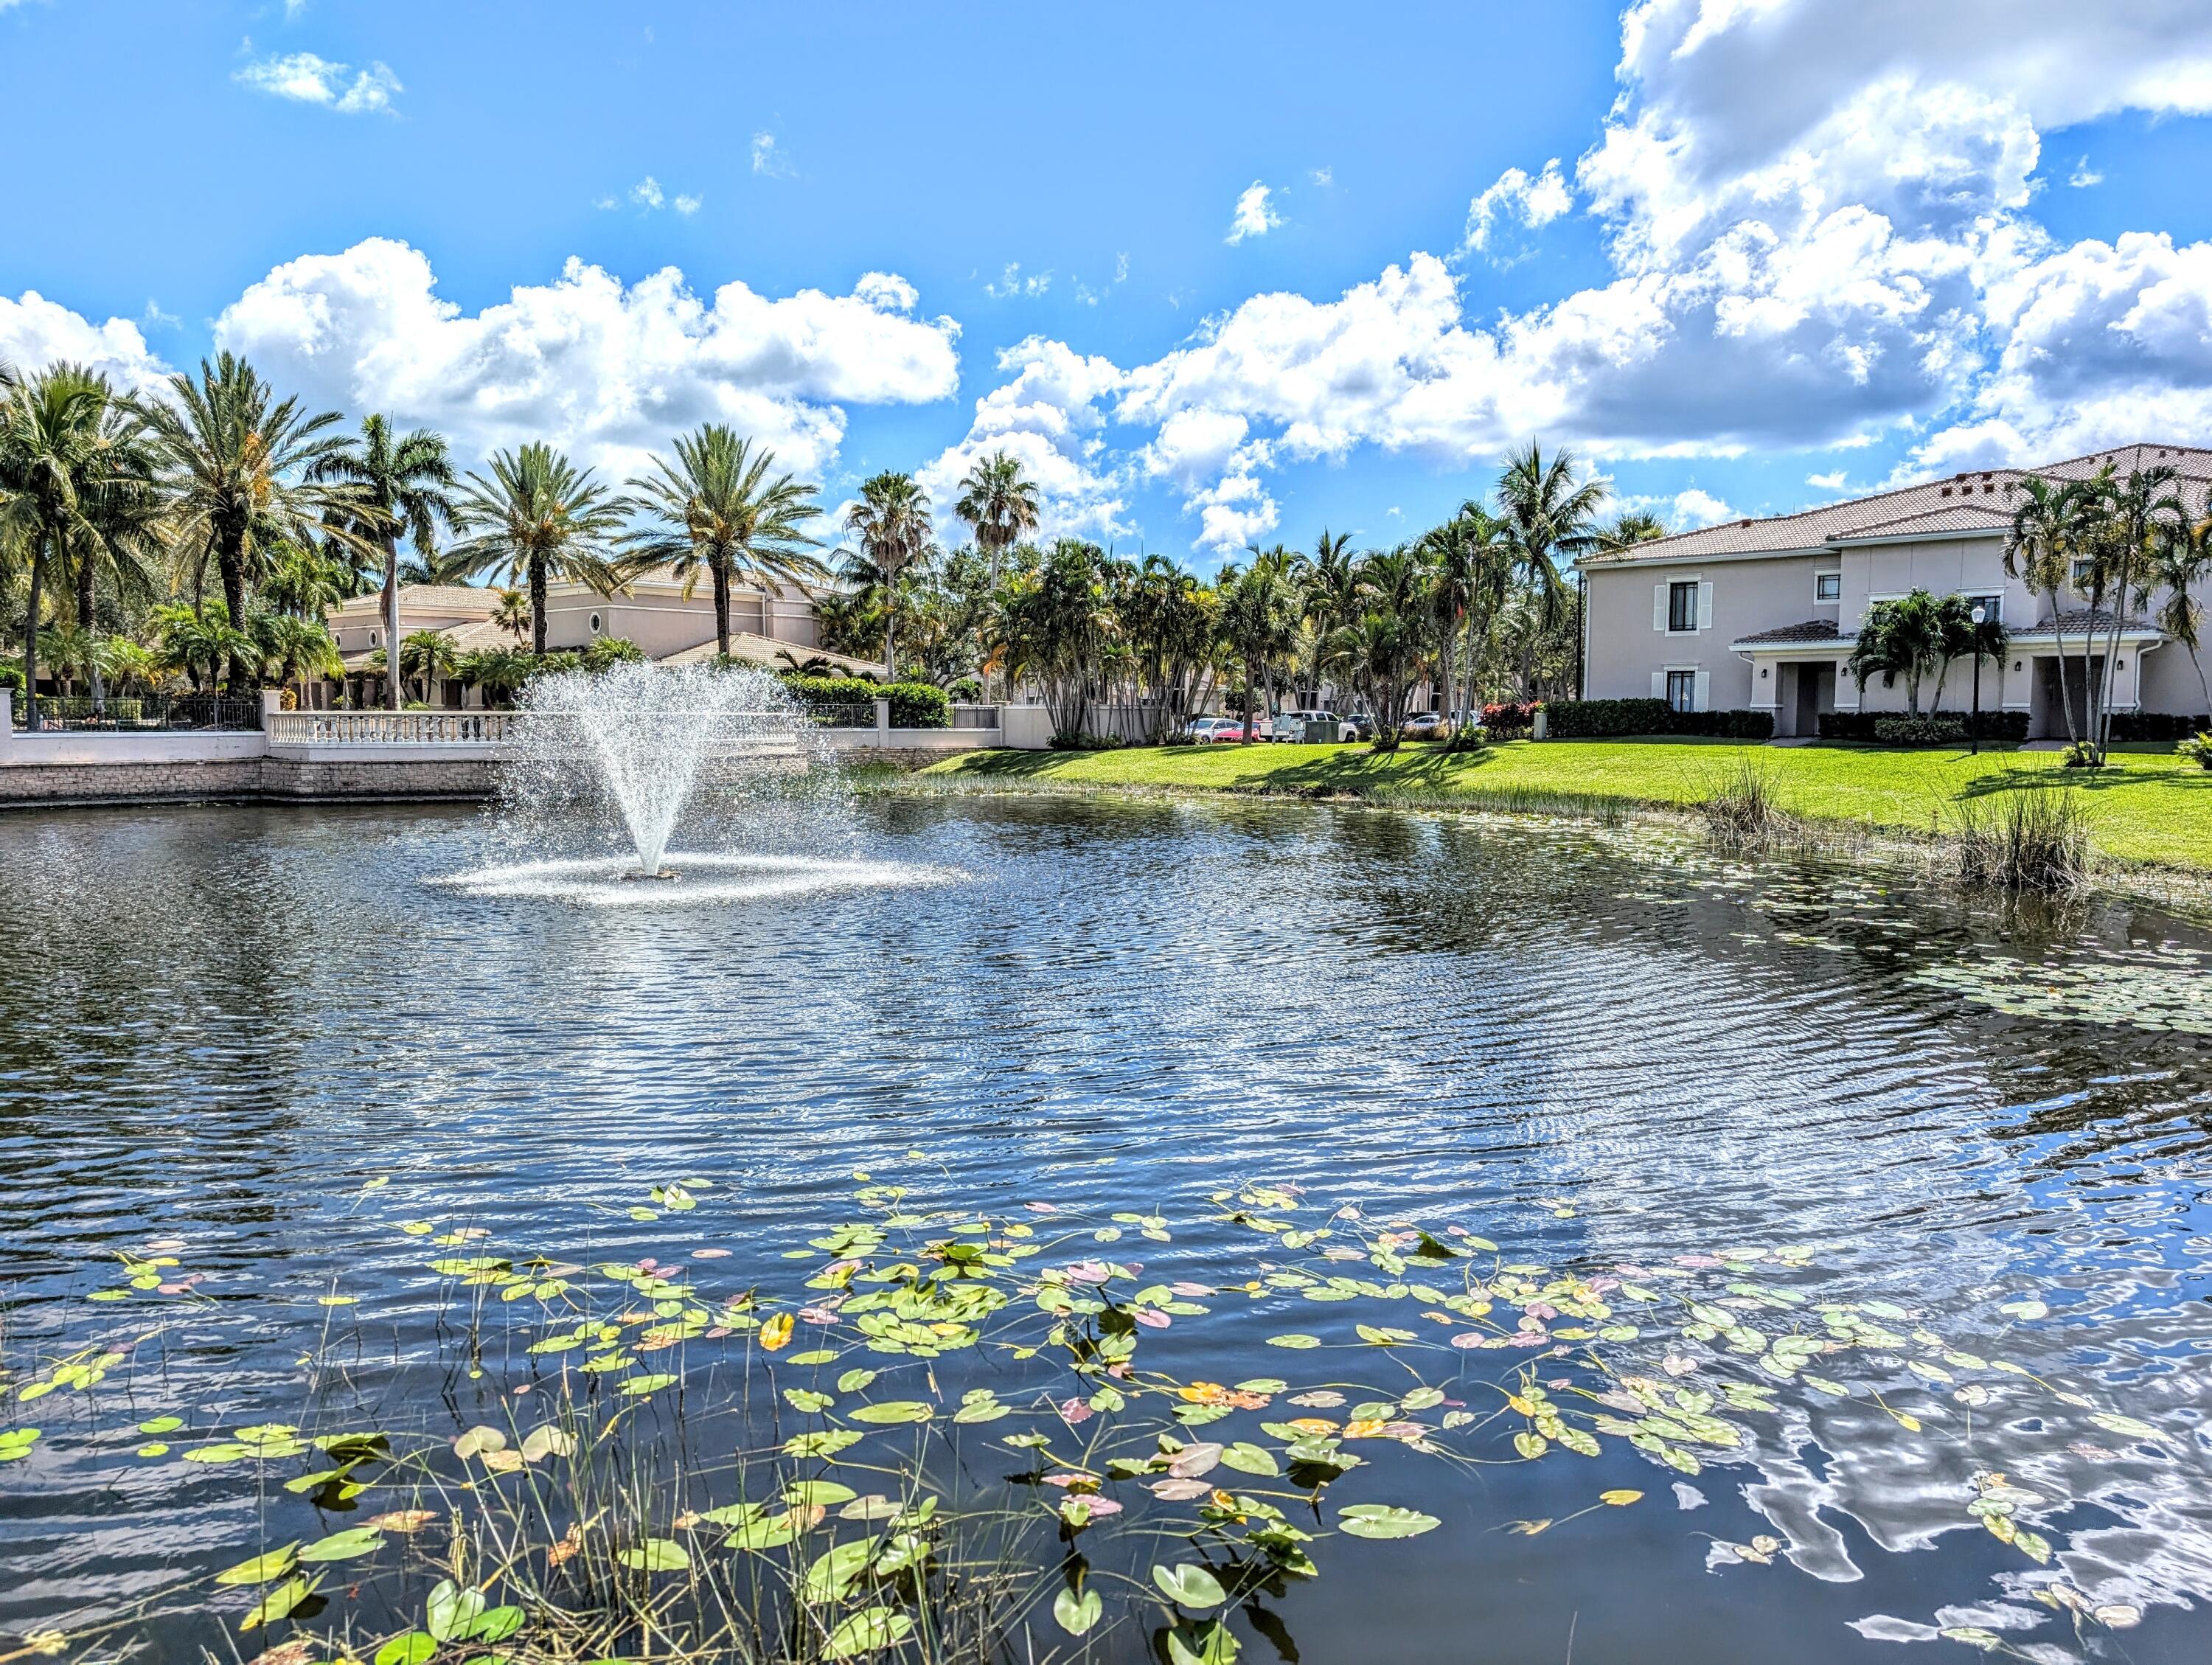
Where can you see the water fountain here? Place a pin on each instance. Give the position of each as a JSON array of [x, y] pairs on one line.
[[618, 759]]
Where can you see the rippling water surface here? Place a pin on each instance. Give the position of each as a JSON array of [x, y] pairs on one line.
[[1594, 1047]]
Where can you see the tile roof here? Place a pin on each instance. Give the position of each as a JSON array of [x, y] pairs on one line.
[[432, 597], [765, 650], [1811, 630], [1990, 492], [2082, 620]]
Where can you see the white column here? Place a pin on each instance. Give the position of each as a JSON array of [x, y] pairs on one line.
[[882, 721]]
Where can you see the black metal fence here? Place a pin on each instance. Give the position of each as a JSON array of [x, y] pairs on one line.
[[143, 713], [830, 713]]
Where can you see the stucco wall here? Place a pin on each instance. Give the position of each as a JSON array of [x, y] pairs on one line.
[[1626, 651]]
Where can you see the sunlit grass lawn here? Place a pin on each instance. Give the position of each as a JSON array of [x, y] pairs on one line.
[[2151, 806]]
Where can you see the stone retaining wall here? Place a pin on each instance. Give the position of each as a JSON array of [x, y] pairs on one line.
[[241, 780]]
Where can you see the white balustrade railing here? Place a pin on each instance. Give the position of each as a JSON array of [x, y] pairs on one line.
[[414, 728]]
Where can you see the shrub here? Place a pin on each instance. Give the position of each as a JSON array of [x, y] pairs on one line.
[[1930, 731], [913, 704], [603, 654], [2001, 727], [2126, 725], [2198, 749], [1741, 811], [1509, 721], [1593, 720], [966, 689]]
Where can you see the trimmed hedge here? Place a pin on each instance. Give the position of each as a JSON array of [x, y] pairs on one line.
[[913, 704], [1895, 728], [2147, 725], [1601, 720]]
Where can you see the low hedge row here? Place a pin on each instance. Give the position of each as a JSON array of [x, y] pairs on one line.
[[1895, 728], [2157, 726], [913, 704], [1598, 720]]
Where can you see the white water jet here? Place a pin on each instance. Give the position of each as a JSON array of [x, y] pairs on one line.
[[639, 741]]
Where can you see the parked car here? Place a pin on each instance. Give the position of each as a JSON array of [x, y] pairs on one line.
[[1360, 726], [1297, 724], [1208, 730], [1425, 726]]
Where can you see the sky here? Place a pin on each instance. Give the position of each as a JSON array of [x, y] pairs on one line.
[[1220, 275]]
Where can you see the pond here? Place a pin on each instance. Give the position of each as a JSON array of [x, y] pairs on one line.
[[1320, 1234]]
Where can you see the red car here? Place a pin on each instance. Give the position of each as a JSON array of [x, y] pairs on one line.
[[1214, 730]]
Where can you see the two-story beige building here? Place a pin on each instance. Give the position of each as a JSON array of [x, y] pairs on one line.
[[1761, 615], [771, 628]]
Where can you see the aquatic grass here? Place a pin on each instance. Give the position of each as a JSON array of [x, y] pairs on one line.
[[2035, 841], [942, 1435], [1742, 807]]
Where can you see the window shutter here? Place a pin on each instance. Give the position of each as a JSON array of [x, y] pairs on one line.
[[1659, 606], [1701, 697], [1704, 608], [1659, 680]]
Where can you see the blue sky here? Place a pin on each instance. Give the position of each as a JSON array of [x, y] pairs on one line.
[[1743, 254]]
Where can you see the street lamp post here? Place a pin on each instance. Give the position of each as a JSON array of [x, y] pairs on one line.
[[1979, 613]]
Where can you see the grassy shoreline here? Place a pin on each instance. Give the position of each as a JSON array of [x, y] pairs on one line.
[[2152, 810]]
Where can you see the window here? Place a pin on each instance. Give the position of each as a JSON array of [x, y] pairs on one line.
[[1681, 688], [1682, 609], [1992, 608], [1827, 588], [2084, 571], [595, 624]]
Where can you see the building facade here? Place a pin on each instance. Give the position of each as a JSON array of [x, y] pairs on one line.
[[1762, 615], [771, 628]]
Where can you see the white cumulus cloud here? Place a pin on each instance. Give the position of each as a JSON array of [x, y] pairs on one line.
[[304, 78], [1254, 216], [606, 369], [1517, 200], [35, 332]]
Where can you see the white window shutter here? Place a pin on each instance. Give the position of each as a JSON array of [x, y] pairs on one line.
[[1701, 699], [1659, 606], [1658, 685], [1704, 608]]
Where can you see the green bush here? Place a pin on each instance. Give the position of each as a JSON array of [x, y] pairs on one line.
[[2002, 728], [2126, 725], [2198, 749], [913, 704], [1938, 730], [1597, 720]]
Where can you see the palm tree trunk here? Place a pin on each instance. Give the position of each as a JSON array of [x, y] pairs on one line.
[[538, 604], [2111, 654], [31, 636], [234, 597], [721, 571], [2065, 699], [392, 622]]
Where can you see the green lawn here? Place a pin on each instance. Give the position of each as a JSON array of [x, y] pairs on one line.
[[2150, 806]]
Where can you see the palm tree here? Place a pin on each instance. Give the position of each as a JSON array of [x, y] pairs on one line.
[[891, 524], [406, 481], [1549, 515], [1473, 572], [294, 648], [1057, 623], [2183, 560], [1258, 617], [2039, 551], [302, 583], [500, 672], [200, 641], [1907, 638], [540, 518], [428, 654], [244, 471], [725, 516], [1000, 502], [2135, 518], [76, 490], [512, 613]]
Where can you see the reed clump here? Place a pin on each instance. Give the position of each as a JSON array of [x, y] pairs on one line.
[[2035, 841]]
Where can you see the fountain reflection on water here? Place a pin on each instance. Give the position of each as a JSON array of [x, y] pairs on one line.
[[616, 760]]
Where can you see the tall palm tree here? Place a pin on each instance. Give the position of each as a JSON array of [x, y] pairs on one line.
[[1258, 617], [512, 615], [294, 647], [2137, 515], [406, 481], [891, 524], [302, 583], [2039, 551], [2183, 561], [722, 514], [1000, 502], [1551, 515], [246, 470], [429, 654], [61, 484], [538, 518], [1473, 574]]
